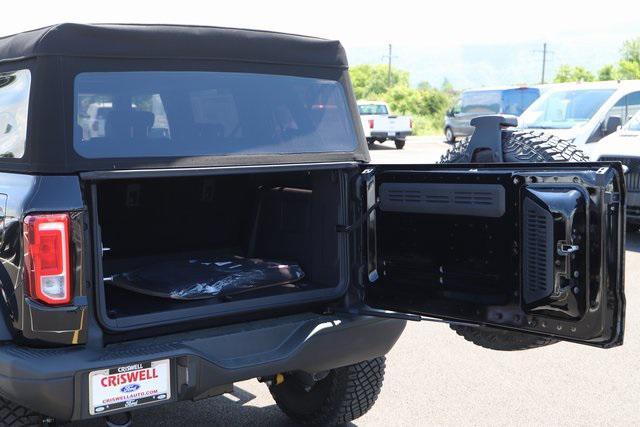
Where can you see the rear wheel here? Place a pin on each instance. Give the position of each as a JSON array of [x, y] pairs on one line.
[[518, 146], [14, 415], [343, 395], [400, 143], [449, 136]]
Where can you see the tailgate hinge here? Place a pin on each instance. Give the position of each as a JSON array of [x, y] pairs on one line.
[[358, 222]]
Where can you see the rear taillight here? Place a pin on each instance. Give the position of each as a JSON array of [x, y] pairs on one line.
[[46, 258], [370, 123]]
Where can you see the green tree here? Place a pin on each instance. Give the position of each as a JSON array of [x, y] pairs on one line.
[[631, 50], [401, 99], [568, 73], [629, 65], [447, 86], [371, 81], [608, 72], [432, 102], [629, 69], [425, 103]]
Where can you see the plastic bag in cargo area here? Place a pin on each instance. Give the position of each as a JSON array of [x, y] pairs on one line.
[[207, 277]]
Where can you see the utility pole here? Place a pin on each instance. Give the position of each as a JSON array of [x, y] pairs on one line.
[[389, 68], [545, 54], [389, 58], [544, 60]]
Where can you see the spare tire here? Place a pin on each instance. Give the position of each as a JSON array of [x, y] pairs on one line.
[[517, 147], [523, 147]]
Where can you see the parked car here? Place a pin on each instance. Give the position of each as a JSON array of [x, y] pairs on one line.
[[380, 125], [510, 100], [246, 234], [583, 113], [624, 146]]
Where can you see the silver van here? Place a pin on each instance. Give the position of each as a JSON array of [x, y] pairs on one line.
[[511, 100]]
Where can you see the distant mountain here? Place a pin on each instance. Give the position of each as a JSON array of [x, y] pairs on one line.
[[482, 65]]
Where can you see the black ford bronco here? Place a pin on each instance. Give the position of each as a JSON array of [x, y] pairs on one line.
[[183, 208]]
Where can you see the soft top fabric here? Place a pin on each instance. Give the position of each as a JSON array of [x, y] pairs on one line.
[[172, 41], [56, 55]]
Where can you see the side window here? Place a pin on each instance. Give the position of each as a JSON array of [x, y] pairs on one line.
[[620, 109], [633, 106], [14, 109]]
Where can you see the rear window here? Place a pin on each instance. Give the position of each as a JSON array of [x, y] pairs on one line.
[[179, 113], [481, 102], [373, 109], [507, 101]]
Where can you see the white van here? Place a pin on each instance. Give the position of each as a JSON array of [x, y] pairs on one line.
[[583, 112], [601, 117], [624, 146]]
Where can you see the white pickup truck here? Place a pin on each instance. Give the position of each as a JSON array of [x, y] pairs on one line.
[[380, 125]]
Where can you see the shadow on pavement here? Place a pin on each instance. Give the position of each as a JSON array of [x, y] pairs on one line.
[[226, 410]]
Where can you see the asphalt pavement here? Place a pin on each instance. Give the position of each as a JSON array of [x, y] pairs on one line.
[[435, 377]]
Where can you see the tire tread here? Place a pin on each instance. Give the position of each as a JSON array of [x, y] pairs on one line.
[[15, 415], [353, 391]]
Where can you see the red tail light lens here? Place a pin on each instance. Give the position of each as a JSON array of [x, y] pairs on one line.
[[370, 123], [46, 258]]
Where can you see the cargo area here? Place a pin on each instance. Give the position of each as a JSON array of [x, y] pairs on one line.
[[155, 223]]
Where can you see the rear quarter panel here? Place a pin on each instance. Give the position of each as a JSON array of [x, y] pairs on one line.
[[22, 194]]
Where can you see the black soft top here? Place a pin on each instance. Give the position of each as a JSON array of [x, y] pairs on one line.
[[172, 41], [55, 55]]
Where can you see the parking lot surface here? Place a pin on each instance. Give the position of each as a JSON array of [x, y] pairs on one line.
[[436, 378]]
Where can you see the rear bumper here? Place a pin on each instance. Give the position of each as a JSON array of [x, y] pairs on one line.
[[55, 381], [386, 135]]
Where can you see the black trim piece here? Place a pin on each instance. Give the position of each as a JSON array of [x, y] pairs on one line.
[[486, 200], [102, 175]]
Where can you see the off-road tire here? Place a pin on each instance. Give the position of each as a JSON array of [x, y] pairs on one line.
[[518, 147], [14, 415], [400, 143], [342, 396], [523, 147], [449, 136], [498, 339]]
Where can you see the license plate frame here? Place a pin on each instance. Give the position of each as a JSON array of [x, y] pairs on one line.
[[129, 386]]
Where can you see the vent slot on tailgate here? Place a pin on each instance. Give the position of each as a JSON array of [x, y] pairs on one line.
[[538, 252], [486, 200]]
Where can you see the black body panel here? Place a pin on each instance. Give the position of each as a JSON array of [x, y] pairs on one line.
[[546, 265]]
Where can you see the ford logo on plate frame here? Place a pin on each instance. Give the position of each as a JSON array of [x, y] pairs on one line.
[[129, 388]]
